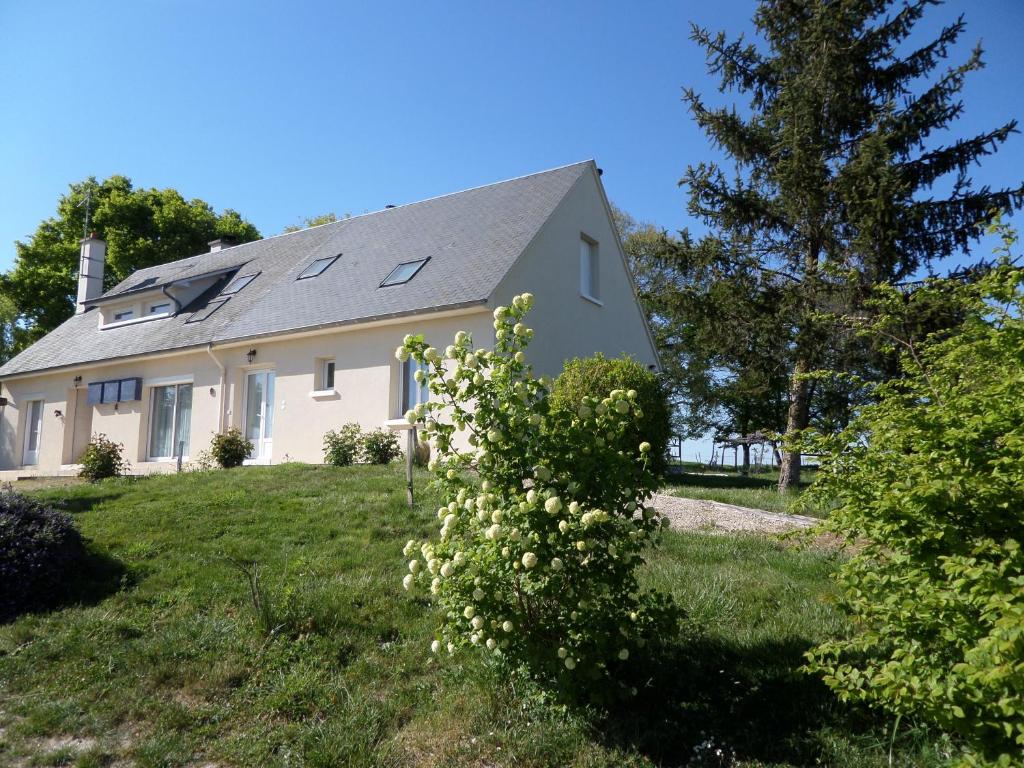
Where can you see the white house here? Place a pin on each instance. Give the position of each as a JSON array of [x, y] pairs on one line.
[[293, 335]]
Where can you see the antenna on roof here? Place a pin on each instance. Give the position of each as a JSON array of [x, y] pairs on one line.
[[88, 202]]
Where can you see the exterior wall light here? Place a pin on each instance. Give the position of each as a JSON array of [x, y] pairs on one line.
[[250, 355]]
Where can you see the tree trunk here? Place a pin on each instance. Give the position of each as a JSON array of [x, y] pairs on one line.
[[746, 459], [796, 420]]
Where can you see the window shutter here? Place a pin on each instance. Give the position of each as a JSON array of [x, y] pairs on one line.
[[131, 389], [96, 393]]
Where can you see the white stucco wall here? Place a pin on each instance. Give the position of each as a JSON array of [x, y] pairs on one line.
[[566, 324], [367, 380]]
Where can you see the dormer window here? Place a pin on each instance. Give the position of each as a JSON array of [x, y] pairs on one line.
[[163, 308], [404, 272], [317, 267], [124, 314]]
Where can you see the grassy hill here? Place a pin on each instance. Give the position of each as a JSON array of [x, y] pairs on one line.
[[174, 656]]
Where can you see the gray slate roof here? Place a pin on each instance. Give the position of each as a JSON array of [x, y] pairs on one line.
[[472, 238]]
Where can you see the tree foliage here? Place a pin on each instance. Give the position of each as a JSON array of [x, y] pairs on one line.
[[142, 227], [838, 153], [929, 481]]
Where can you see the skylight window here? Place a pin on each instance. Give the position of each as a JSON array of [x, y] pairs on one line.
[[205, 312], [404, 272], [317, 267], [238, 284]]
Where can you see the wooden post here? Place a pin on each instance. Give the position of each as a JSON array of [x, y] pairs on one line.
[[181, 450], [410, 449]]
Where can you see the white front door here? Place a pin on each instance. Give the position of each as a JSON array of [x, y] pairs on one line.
[[259, 414], [33, 431]]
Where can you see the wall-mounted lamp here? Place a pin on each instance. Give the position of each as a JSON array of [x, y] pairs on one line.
[[250, 355], [78, 380], [58, 413]]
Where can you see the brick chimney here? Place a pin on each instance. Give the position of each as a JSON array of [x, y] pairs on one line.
[[90, 270]]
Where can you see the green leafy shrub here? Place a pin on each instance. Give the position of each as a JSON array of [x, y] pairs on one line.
[[537, 556], [103, 458], [380, 446], [41, 554], [342, 446], [230, 448], [598, 375], [930, 480]]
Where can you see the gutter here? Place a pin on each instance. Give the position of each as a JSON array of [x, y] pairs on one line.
[[177, 304], [223, 386]]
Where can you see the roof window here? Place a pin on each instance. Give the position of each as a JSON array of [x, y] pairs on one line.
[[200, 315], [238, 284], [317, 267], [404, 272]]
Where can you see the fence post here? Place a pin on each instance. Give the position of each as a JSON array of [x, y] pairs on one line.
[[181, 450], [410, 449]]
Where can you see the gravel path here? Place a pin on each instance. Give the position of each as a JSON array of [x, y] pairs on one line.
[[716, 517]]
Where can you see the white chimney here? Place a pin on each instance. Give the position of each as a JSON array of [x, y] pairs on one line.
[[90, 270], [227, 241]]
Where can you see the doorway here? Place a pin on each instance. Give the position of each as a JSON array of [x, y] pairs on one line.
[[259, 415]]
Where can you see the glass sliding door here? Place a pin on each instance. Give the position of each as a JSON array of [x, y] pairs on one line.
[[259, 414], [33, 431], [170, 422]]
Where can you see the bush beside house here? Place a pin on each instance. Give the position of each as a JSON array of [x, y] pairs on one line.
[[598, 375], [230, 448], [103, 458]]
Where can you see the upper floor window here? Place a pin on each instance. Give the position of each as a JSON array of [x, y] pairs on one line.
[[590, 284], [124, 314], [404, 272], [326, 375], [160, 309]]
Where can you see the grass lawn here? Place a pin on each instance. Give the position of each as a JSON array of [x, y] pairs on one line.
[[164, 661]]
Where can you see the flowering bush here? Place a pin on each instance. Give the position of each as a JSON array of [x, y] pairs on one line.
[[537, 555]]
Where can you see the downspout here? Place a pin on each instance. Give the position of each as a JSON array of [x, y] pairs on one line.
[[177, 305], [223, 387]]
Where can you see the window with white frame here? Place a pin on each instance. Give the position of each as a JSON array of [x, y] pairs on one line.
[[590, 285], [124, 314], [170, 422], [413, 392], [161, 308], [326, 374]]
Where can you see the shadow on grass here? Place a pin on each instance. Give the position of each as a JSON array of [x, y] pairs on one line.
[[98, 576], [752, 702]]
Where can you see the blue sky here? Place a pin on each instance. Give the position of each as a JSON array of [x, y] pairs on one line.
[[283, 110]]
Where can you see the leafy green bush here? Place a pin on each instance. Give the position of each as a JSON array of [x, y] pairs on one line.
[[380, 446], [103, 458], [342, 446], [230, 448], [41, 554], [930, 480], [537, 556], [596, 376]]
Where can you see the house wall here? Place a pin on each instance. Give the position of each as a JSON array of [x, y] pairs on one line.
[[367, 377], [566, 324]]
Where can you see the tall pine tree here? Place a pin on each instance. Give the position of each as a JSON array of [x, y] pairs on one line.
[[843, 179]]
